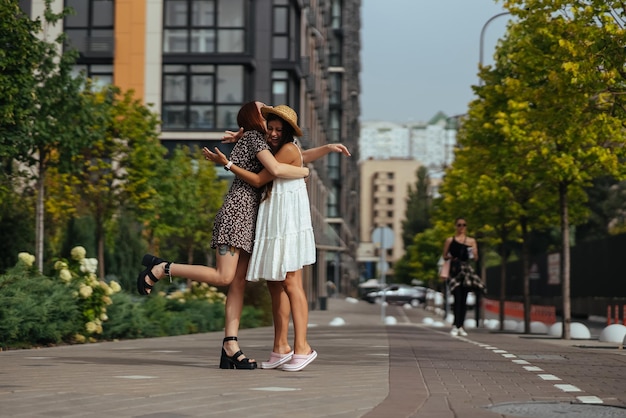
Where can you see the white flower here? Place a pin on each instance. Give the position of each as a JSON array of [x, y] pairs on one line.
[[65, 275], [88, 265], [91, 327], [115, 286], [60, 265], [26, 259], [78, 253], [85, 291]]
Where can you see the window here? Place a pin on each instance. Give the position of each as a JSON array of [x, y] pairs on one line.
[[100, 75], [203, 26], [90, 27], [202, 97], [280, 30], [280, 87]]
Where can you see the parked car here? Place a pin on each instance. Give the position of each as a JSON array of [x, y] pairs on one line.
[[398, 294]]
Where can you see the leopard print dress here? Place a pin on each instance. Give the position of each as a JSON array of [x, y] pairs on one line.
[[235, 222]]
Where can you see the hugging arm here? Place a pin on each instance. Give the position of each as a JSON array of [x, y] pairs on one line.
[[285, 157]]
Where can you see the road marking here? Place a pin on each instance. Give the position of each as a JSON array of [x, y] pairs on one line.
[[533, 369], [568, 388], [549, 377], [589, 399]]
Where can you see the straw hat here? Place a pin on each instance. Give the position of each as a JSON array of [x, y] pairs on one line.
[[284, 112]]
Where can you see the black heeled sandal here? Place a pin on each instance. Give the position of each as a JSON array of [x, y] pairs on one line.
[[231, 362], [149, 261]]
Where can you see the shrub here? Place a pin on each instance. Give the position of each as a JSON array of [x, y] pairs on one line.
[[34, 309]]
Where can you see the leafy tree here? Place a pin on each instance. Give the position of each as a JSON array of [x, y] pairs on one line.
[[117, 168], [61, 122], [565, 90], [20, 56], [417, 215], [191, 195]]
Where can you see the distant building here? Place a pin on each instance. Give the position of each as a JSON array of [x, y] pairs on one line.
[[389, 156], [432, 143], [384, 186]]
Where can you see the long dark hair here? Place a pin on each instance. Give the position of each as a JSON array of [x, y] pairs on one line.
[[250, 119]]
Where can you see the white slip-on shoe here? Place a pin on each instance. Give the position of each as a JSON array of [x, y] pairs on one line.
[[276, 360], [462, 332], [299, 361], [454, 331]]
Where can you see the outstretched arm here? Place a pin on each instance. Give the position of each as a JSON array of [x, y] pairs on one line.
[[318, 152]]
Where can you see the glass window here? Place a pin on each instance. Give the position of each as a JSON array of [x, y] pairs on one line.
[[230, 84], [231, 13], [281, 20], [191, 26], [231, 40], [89, 28], [202, 97], [203, 13], [176, 13], [102, 13], [280, 47], [79, 15]]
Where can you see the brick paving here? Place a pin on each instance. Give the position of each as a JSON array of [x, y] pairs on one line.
[[364, 369]]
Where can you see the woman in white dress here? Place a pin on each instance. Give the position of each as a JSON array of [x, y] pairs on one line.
[[284, 241]]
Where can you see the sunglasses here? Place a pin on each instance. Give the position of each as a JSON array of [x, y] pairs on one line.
[[458, 225]]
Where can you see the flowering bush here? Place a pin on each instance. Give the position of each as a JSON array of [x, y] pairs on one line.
[[198, 291], [93, 295]]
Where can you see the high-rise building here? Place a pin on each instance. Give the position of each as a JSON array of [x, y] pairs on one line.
[[197, 61]]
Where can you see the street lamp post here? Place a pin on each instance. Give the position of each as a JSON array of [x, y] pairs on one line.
[[482, 40]]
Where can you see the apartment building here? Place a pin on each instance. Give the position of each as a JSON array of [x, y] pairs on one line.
[[389, 155], [197, 61]]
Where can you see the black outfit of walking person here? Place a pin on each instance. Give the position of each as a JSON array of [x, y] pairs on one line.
[[460, 250]]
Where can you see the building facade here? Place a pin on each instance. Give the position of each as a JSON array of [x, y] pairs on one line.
[[389, 156], [195, 62]]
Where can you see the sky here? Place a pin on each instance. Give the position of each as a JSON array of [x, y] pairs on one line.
[[420, 57]]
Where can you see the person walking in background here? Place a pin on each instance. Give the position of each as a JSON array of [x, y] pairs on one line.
[[233, 233], [284, 240], [460, 249]]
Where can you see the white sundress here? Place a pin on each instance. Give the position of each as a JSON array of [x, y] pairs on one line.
[[284, 239]]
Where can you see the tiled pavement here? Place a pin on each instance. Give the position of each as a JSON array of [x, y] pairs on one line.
[[364, 369]]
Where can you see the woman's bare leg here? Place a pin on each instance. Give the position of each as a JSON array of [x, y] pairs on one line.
[[280, 315], [226, 259], [299, 311], [234, 305]]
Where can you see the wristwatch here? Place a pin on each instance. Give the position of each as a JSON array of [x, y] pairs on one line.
[[228, 165]]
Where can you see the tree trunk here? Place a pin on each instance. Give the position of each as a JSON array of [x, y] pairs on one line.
[[39, 213], [565, 262], [526, 275], [502, 284], [100, 241]]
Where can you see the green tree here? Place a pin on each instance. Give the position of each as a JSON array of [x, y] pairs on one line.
[[61, 123], [418, 206], [565, 90], [116, 169], [20, 57], [191, 196]]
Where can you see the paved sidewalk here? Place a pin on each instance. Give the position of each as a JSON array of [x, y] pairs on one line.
[[364, 369]]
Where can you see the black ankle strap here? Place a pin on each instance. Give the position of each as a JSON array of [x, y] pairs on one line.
[[230, 339]]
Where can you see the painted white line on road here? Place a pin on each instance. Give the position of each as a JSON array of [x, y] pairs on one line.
[[509, 355], [549, 377], [533, 369], [589, 399], [135, 377], [568, 388], [500, 351], [275, 389], [520, 362]]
